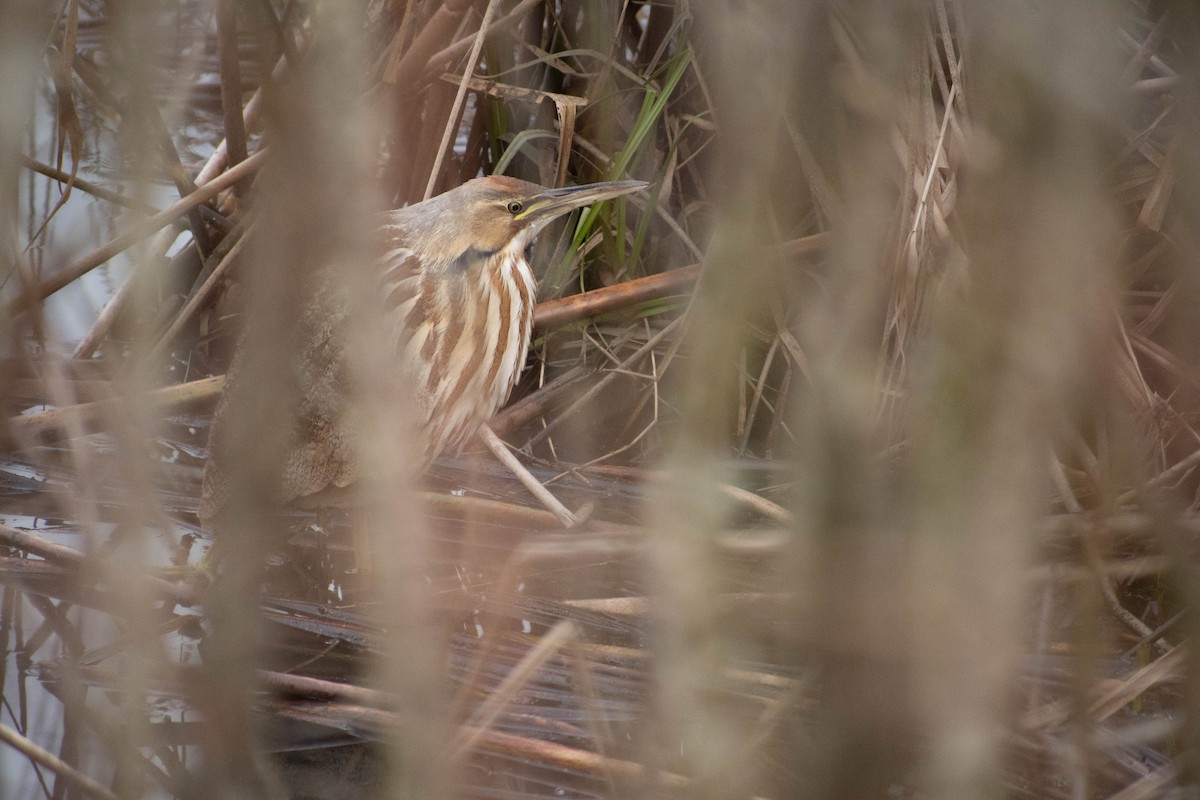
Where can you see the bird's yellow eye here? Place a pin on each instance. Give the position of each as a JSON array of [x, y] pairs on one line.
[[515, 206]]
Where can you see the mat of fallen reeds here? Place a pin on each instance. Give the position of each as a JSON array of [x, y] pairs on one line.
[[877, 410]]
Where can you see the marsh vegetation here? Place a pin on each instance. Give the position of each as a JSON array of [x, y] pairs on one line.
[[879, 406]]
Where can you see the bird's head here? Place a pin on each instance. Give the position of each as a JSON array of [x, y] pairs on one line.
[[492, 213]]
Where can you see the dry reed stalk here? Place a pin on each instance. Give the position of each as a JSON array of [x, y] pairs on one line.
[[940, 246]]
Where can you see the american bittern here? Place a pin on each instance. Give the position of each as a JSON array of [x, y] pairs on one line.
[[458, 296]]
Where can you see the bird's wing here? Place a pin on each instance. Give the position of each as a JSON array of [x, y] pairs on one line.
[[322, 453], [319, 454]]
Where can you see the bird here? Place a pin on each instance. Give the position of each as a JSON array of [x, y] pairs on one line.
[[457, 294]]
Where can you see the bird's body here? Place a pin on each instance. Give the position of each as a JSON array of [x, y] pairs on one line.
[[457, 298], [461, 322]]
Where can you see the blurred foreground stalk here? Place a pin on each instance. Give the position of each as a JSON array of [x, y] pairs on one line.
[[909, 573]]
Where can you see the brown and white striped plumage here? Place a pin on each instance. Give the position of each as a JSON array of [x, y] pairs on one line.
[[458, 297], [460, 323]]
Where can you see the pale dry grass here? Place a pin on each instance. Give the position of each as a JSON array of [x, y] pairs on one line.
[[899, 501]]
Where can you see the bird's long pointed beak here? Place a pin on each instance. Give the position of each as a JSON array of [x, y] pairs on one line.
[[553, 202]]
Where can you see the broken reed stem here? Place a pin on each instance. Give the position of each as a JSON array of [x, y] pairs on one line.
[[53, 763], [563, 311], [500, 450], [93, 189], [115, 576], [574, 759], [575, 308], [25, 430]]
